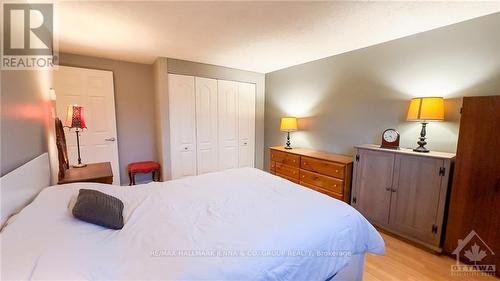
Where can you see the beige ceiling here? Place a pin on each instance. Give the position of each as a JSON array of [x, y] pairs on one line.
[[258, 36]]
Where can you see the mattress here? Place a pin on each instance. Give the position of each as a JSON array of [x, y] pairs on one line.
[[239, 224]]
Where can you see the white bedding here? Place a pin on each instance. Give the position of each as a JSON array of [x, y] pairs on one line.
[[265, 228]]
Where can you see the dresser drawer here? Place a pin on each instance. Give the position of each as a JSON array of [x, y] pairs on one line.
[[288, 171], [330, 193], [321, 181], [322, 167], [272, 167], [295, 180], [322, 190], [285, 158], [308, 185]]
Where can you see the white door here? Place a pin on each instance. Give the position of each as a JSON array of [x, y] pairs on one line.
[[206, 125], [246, 126], [182, 115], [228, 124], [92, 89]]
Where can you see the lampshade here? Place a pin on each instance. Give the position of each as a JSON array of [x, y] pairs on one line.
[[75, 118], [426, 109], [288, 124]]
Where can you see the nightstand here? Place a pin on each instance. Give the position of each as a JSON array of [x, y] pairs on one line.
[[95, 172]]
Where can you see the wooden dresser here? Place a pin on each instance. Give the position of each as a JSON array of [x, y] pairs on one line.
[[324, 172]]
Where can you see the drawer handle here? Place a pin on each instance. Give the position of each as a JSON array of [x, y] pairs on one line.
[[303, 176], [305, 163], [294, 173], [293, 160], [334, 185], [336, 171]]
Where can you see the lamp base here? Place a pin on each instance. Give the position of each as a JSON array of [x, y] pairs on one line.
[[81, 165], [421, 149], [288, 141], [421, 142]]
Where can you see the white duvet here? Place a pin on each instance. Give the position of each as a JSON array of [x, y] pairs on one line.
[[241, 224]]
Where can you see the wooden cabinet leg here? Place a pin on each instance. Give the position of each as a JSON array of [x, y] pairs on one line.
[[129, 178]]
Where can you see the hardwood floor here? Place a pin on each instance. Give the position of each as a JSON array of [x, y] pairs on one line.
[[405, 262]]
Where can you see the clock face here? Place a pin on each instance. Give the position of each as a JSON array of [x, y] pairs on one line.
[[390, 135]]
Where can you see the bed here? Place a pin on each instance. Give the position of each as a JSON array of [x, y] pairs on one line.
[[239, 224]]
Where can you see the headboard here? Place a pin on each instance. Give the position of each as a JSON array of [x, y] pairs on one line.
[[19, 187], [62, 150]]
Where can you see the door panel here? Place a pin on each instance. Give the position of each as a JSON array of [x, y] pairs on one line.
[[415, 196], [182, 114], [246, 124], [206, 125], [228, 124], [373, 183], [94, 90]]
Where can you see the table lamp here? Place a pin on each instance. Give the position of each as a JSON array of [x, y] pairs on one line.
[[75, 119], [424, 110], [288, 124]]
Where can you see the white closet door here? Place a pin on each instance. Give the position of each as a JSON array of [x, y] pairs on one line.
[[228, 124], [246, 126], [206, 125], [182, 114]]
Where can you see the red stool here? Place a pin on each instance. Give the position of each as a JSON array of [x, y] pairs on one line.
[[143, 168]]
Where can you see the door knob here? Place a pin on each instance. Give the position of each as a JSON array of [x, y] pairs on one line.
[[110, 139]]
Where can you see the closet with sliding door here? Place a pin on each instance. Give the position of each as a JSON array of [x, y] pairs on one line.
[[212, 124]]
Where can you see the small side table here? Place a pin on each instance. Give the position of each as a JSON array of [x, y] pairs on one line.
[[94, 172]]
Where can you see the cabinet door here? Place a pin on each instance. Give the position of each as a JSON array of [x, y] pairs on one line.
[[206, 125], [416, 197], [228, 124], [181, 95], [372, 184], [246, 124]]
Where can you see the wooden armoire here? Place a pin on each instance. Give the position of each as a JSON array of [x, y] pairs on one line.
[[475, 195]]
